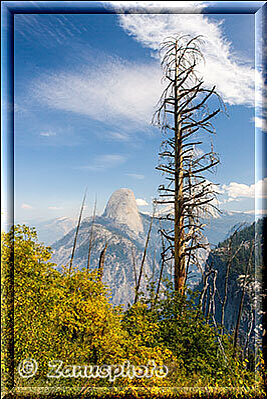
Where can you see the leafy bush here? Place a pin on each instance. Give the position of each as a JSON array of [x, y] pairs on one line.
[[68, 317]]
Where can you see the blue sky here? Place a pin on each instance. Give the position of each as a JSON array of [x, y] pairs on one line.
[[85, 91]]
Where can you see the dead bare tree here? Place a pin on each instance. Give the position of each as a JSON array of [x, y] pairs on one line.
[[243, 295], [134, 266], [228, 267], [102, 262], [144, 254], [161, 267], [203, 295], [91, 237], [77, 231], [211, 309], [248, 334], [154, 263], [182, 113]]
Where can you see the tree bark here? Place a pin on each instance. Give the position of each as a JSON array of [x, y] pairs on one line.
[[91, 238], [161, 268], [144, 257], [179, 258], [134, 267], [102, 262], [242, 297], [76, 233]]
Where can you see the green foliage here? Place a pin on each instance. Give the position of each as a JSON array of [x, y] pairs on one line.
[[68, 317], [63, 316], [199, 352]]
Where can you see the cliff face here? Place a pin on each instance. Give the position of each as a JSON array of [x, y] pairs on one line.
[[122, 210], [237, 258]]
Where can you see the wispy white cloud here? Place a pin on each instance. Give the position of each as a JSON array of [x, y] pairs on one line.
[[26, 206], [141, 202], [48, 133], [123, 94], [103, 162], [236, 190], [55, 208], [135, 176], [117, 92], [233, 77], [117, 136], [49, 30]]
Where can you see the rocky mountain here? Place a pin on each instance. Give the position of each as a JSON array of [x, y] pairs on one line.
[[124, 229], [122, 209]]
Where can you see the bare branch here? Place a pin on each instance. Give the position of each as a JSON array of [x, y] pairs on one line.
[[77, 231]]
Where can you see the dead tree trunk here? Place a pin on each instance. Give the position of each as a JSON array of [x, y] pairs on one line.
[[134, 267], [102, 262], [179, 244], [202, 303], [243, 296], [76, 233], [91, 238], [144, 257], [182, 112], [225, 289], [212, 293], [161, 268], [153, 264], [229, 264], [249, 334]]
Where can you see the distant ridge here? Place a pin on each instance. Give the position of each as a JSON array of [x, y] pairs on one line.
[[125, 228]]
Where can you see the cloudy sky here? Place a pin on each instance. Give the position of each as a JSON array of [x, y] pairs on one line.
[[86, 87]]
